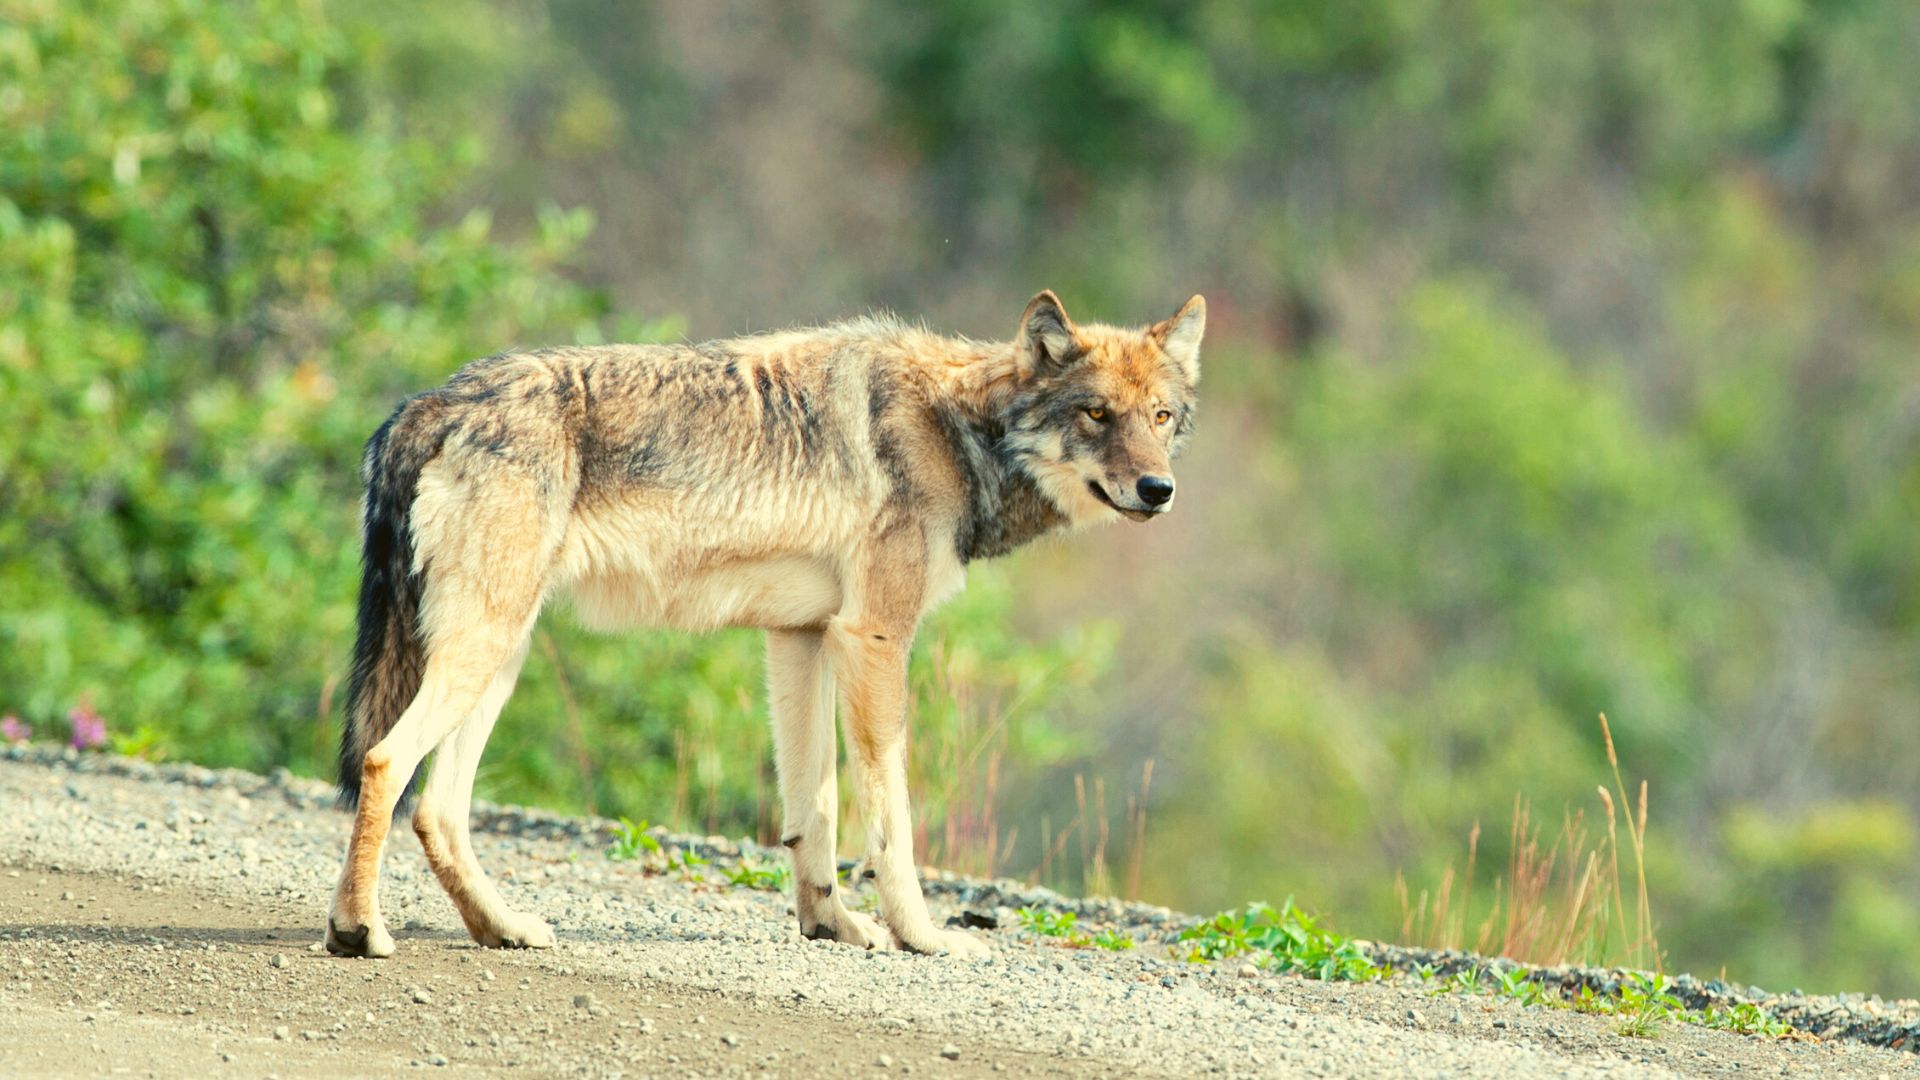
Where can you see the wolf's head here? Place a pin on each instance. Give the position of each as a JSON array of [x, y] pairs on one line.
[[1104, 410]]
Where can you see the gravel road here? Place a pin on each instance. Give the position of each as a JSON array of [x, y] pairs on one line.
[[165, 921]]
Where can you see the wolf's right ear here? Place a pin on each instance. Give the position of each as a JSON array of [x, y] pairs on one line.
[[1047, 343]]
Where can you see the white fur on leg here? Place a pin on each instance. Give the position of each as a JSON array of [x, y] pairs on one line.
[[883, 799], [443, 824], [800, 692], [454, 683]]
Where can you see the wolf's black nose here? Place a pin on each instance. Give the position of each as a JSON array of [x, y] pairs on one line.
[[1155, 490]]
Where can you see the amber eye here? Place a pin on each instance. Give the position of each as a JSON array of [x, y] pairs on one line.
[[1097, 413], [1162, 416]]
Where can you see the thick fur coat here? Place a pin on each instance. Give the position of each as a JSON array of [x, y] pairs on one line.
[[827, 485]]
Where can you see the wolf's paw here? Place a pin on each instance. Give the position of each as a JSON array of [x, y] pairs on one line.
[[850, 928], [955, 943], [371, 940], [517, 930]]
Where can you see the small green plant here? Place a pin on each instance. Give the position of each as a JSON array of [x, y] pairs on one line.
[[1590, 1002], [1743, 1019], [1058, 925], [767, 877], [1517, 986], [1113, 941], [688, 862], [1288, 939], [631, 841], [1644, 1006], [1046, 923], [146, 742]]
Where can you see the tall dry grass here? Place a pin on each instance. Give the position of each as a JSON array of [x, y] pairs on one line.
[[1554, 902], [955, 774]]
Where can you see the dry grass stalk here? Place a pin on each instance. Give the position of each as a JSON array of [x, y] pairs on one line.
[[959, 826], [1554, 904], [1137, 831]]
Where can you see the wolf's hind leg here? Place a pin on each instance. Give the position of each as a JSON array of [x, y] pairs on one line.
[[482, 593], [457, 676], [800, 697], [441, 823]]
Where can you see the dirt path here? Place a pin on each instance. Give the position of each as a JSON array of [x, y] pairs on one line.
[[128, 978], [169, 929]]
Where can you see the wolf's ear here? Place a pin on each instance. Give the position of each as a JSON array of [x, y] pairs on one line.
[[1179, 337], [1047, 343]]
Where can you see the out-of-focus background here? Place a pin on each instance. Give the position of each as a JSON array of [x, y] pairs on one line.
[[1561, 361]]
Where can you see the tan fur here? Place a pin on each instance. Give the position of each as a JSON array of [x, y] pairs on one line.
[[827, 485]]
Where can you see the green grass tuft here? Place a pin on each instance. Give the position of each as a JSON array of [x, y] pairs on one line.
[[1286, 939], [767, 877], [631, 841]]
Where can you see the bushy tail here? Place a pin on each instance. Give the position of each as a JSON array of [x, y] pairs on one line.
[[388, 654]]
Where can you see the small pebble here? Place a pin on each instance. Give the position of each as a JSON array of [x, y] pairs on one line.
[[883, 1061], [278, 961], [283, 1033], [421, 997], [1248, 971], [1415, 1018], [950, 1052]]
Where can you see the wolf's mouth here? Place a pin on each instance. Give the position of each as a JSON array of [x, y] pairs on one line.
[[1127, 512]]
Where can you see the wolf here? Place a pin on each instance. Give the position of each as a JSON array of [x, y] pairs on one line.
[[827, 485]]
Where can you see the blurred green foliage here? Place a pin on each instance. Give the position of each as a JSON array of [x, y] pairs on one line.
[[216, 264], [1562, 363]]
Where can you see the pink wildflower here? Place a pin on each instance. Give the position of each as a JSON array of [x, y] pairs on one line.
[[14, 730], [89, 728]]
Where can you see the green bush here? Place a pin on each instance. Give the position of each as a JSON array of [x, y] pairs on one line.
[[219, 268]]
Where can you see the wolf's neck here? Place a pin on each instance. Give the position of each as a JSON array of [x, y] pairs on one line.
[[1004, 509]]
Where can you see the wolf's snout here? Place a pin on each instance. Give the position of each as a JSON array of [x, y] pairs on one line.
[[1155, 490]]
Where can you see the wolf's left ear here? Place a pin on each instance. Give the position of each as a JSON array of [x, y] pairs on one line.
[[1047, 343], [1179, 337]]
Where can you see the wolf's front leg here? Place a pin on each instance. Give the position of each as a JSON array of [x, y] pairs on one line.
[[871, 665], [800, 693]]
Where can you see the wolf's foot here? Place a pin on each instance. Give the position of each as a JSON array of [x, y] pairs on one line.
[[370, 940], [517, 930], [850, 928], [955, 943]]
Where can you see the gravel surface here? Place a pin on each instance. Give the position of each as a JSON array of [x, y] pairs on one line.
[[166, 920]]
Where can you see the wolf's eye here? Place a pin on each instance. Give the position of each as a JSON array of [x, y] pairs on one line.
[[1096, 413], [1162, 416]]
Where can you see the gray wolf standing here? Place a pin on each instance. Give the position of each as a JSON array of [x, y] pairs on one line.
[[827, 485]]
